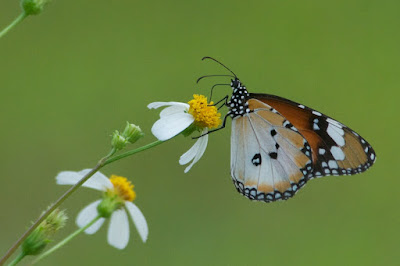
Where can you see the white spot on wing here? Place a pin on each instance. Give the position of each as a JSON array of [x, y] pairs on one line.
[[337, 153], [316, 113], [321, 151], [336, 134], [334, 122], [332, 164]]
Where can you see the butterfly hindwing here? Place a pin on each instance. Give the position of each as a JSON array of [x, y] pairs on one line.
[[270, 159]]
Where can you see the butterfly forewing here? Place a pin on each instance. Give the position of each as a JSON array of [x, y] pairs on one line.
[[336, 149], [270, 159]]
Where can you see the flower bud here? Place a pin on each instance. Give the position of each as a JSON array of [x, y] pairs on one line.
[[132, 133], [39, 238], [33, 7], [118, 142]]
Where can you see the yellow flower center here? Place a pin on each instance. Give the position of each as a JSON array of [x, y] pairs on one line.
[[123, 188], [204, 114]]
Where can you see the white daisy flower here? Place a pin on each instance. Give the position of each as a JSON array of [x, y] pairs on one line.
[[116, 202], [178, 117]]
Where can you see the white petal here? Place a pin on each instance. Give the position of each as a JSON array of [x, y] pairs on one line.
[[170, 126], [156, 105], [138, 220], [175, 109], [190, 154], [202, 145], [118, 230], [87, 215], [97, 181]]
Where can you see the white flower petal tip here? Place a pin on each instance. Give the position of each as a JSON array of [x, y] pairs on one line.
[[97, 181], [195, 152], [138, 219], [86, 215], [67, 178], [156, 105], [171, 125], [118, 230]]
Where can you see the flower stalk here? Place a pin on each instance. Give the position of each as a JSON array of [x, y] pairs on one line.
[[17, 259], [132, 152], [16, 21]]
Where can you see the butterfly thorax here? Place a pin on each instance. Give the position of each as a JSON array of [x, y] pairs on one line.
[[237, 104]]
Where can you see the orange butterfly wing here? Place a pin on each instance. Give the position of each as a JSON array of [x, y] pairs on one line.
[[336, 149]]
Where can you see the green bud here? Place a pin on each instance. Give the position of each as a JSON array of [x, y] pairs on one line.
[[33, 7], [108, 205], [38, 239], [132, 133], [118, 141], [35, 242]]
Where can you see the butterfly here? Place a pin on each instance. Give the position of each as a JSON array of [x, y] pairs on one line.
[[278, 145]]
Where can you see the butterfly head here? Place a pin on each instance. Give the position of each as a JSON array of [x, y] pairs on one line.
[[235, 83]]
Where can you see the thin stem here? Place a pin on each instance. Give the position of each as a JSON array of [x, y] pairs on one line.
[[17, 259], [16, 21], [68, 193], [131, 152], [67, 239]]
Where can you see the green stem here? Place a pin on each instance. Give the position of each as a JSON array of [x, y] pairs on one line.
[[17, 259], [16, 21], [129, 153], [68, 193], [67, 239]]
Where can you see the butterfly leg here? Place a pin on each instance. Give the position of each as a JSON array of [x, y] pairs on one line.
[[211, 131], [223, 99]]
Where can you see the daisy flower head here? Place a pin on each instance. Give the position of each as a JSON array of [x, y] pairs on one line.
[[177, 117], [116, 203]]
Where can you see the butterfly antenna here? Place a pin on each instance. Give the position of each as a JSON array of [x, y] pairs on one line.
[[215, 60], [214, 76], [212, 88]]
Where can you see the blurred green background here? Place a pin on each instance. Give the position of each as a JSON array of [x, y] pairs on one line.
[[75, 73]]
